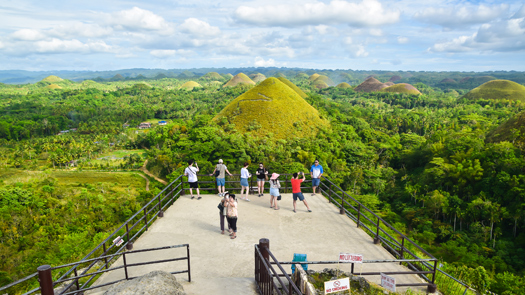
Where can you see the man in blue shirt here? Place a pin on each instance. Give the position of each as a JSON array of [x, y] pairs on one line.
[[316, 172]]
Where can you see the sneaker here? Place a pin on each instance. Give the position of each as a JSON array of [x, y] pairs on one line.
[[309, 210], [294, 211], [247, 200], [192, 197], [259, 195], [220, 194], [199, 198]]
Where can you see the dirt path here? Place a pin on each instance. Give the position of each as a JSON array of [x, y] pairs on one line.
[[147, 181], [143, 169]]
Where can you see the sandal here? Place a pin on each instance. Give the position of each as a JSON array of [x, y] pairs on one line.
[[233, 237], [276, 208], [192, 197]]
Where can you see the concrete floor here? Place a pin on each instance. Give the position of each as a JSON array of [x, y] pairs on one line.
[[220, 265]]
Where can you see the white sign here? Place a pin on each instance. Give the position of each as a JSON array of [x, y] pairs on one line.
[[388, 282], [118, 241], [350, 258], [336, 286]]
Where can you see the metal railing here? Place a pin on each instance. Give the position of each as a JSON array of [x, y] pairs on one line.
[[47, 284], [129, 231], [265, 273]]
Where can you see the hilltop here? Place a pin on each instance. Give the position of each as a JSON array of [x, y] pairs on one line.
[[371, 84], [212, 76], [401, 88], [190, 85], [272, 107], [239, 79], [293, 86], [257, 77], [512, 131], [52, 79], [498, 89]]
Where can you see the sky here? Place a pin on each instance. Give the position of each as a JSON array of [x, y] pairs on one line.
[[406, 35]]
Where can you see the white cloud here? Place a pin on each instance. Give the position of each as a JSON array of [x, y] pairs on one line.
[[260, 62], [363, 14], [28, 35], [198, 28], [451, 17], [2, 46], [402, 40], [499, 36], [64, 46], [75, 30], [137, 19], [163, 53]]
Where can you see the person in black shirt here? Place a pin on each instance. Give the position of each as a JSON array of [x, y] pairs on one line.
[[262, 174]]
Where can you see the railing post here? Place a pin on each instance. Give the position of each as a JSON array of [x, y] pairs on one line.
[[125, 265], [376, 239], [181, 186], [129, 244], [45, 280], [402, 248], [433, 287], [352, 270], [329, 192], [286, 184], [264, 247], [251, 185], [76, 275], [342, 208], [189, 268], [105, 258], [161, 213], [146, 217], [359, 215]]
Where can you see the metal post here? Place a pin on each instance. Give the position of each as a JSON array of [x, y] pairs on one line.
[[329, 192], [105, 258], [352, 270], [286, 184], [146, 217], [129, 244], [402, 247], [161, 213], [376, 239], [251, 185], [45, 280], [433, 287], [181, 187], [189, 269], [76, 275], [359, 215], [264, 247], [125, 265], [342, 209]]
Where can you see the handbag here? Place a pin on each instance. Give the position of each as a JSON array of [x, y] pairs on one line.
[[217, 172], [220, 206], [278, 197]]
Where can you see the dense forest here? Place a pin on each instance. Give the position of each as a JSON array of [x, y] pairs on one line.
[[425, 163]]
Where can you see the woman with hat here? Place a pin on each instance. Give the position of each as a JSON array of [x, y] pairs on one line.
[[274, 191]]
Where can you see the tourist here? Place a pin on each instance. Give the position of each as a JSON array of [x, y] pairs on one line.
[[223, 212], [245, 174], [262, 174], [296, 190], [221, 178], [191, 172], [316, 172], [274, 191], [232, 215]]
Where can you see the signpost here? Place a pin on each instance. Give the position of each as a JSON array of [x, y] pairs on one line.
[[388, 282], [350, 258], [337, 286]]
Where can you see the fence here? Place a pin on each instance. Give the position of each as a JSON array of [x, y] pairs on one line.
[[129, 231]]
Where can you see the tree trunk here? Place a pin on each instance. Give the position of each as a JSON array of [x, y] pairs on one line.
[[454, 222]]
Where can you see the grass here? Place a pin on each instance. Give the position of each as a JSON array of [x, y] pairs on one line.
[[293, 86], [257, 77], [53, 86], [190, 85], [272, 107], [239, 79], [52, 79], [212, 76], [498, 89], [313, 77], [343, 85], [324, 79]]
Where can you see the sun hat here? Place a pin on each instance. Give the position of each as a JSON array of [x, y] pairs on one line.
[[274, 176]]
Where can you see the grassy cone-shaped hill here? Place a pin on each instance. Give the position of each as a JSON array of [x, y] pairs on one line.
[[257, 77], [240, 78], [52, 79], [53, 86], [402, 88], [313, 77], [227, 76], [293, 86], [190, 85], [369, 85], [389, 83], [273, 107], [395, 78], [212, 76], [320, 84], [343, 85], [325, 79], [498, 89], [513, 131]]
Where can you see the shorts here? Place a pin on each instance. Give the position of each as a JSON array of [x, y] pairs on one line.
[[261, 180], [298, 196], [194, 184], [316, 181], [221, 181], [274, 192], [244, 182]]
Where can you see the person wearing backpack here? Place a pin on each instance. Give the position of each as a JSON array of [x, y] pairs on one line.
[[220, 174], [191, 172]]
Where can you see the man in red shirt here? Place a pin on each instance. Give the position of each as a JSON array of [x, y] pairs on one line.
[[296, 190]]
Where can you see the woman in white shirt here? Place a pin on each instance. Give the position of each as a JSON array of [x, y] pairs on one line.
[[191, 172], [245, 174]]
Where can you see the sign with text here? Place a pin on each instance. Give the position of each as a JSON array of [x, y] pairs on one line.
[[388, 282], [118, 241], [350, 258], [336, 285]]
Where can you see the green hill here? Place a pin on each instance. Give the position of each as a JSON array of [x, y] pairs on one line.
[[498, 89], [257, 77], [190, 85], [513, 131], [313, 77], [371, 84], [53, 86], [402, 88], [324, 79], [272, 107], [212, 76], [52, 79], [239, 79], [343, 85], [293, 86]]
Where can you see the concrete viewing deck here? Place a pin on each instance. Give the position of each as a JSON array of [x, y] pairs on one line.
[[220, 265]]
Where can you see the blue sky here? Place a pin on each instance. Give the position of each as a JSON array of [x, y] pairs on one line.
[[404, 35]]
